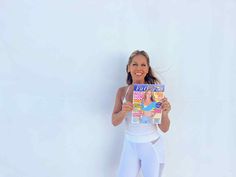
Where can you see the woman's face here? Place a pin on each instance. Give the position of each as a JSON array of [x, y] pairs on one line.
[[138, 68], [148, 94]]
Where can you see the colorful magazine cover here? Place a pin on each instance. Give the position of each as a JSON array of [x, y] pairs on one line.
[[146, 103]]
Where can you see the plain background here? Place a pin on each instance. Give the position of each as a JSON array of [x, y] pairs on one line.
[[61, 63]]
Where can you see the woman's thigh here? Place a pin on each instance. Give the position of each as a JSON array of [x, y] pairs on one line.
[[129, 162], [151, 159]]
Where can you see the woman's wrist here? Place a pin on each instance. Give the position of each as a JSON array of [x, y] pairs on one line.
[[122, 114], [165, 114]]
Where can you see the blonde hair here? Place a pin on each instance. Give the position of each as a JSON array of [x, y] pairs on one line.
[[152, 96]]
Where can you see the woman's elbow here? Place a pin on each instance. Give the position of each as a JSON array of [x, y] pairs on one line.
[[164, 129], [114, 122]]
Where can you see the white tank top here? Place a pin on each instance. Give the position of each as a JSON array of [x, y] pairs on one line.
[[139, 133]]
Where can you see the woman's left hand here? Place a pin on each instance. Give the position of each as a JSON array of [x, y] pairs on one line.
[[165, 105]]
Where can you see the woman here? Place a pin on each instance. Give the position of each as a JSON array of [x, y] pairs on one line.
[[148, 104], [143, 145]]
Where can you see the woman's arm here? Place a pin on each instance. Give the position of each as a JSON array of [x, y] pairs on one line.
[[165, 121], [120, 110]]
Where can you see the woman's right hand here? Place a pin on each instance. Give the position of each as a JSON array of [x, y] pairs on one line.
[[127, 107]]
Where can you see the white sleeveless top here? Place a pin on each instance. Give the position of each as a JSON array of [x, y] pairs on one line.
[[139, 133]]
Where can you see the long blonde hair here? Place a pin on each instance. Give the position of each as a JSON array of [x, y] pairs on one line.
[[145, 95]]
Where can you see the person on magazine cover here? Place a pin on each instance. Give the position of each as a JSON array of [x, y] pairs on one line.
[[143, 144], [148, 104]]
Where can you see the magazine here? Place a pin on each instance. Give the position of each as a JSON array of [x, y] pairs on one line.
[[146, 103]]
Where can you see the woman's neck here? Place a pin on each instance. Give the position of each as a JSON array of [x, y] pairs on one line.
[[138, 82]]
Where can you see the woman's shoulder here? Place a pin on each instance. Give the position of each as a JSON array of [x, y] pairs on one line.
[[122, 90]]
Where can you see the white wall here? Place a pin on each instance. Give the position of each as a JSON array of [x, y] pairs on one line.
[[61, 63]]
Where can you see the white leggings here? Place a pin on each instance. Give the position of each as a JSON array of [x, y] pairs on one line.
[[147, 156]]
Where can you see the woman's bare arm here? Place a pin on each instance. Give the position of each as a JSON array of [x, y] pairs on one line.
[[120, 110], [165, 121]]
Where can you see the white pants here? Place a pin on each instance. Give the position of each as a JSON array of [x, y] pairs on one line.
[[147, 156]]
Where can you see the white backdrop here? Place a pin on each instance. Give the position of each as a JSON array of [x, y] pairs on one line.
[[61, 63]]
